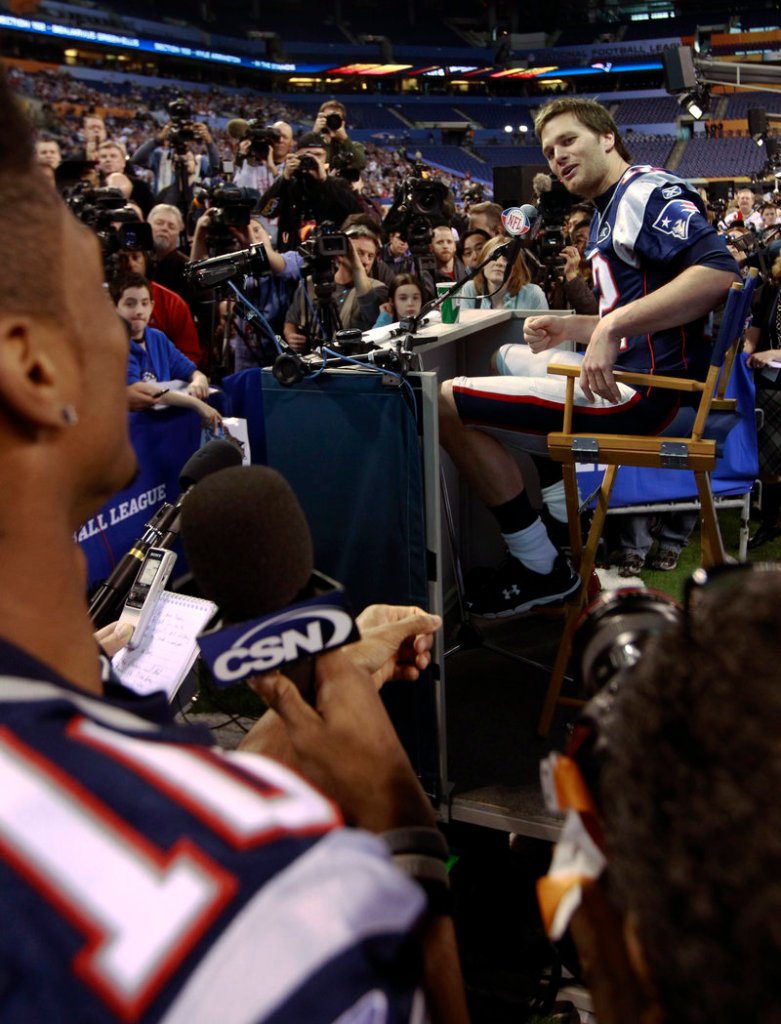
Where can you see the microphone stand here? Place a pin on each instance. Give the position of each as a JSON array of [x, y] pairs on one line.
[[290, 367], [434, 304]]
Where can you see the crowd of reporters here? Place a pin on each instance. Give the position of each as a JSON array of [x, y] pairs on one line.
[[352, 236]]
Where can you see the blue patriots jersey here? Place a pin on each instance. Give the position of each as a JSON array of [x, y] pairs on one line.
[[147, 876], [646, 231]]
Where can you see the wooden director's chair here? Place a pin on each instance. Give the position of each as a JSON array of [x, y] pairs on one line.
[[692, 441]]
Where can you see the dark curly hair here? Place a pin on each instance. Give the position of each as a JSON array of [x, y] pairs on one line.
[[692, 815]]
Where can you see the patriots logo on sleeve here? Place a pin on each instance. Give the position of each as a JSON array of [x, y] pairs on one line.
[[675, 217]]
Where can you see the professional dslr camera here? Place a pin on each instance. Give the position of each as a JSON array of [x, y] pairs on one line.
[[607, 644], [305, 163], [106, 212], [343, 165], [182, 125], [334, 122]]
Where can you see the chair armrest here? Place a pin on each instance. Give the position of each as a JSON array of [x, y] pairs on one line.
[[639, 379]]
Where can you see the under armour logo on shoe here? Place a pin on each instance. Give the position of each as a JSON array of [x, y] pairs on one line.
[[512, 591]]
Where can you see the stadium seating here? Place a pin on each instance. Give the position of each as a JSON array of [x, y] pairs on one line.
[[721, 158]]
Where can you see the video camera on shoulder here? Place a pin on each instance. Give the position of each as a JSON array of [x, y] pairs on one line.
[[113, 220], [232, 205], [420, 197], [261, 137]]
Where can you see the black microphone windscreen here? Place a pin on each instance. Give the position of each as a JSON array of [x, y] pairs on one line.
[[247, 541], [217, 454]]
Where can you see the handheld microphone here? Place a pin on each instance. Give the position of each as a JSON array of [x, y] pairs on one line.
[[213, 271], [160, 531], [249, 547]]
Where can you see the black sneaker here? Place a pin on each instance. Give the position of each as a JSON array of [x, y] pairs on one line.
[[514, 589]]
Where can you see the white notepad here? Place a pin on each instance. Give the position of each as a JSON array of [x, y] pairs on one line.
[[169, 647]]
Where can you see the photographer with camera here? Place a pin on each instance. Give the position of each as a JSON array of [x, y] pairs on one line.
[[261, 151], [572, 287], [305, 192], [331, 123], [175, 139], [351, 298], [269, 293]]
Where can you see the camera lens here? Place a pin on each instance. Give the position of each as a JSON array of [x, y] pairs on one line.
[[614, 631]]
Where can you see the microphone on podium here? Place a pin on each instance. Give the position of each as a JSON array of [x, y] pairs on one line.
[[522, 223], [250, 551]]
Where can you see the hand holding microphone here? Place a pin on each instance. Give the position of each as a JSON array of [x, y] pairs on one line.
[[249, 546]]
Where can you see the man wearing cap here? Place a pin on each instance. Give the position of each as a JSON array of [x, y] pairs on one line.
[[304, 192]]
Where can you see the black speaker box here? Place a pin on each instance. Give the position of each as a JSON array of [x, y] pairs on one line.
[[678, 65], [757, 121], [513, 185]]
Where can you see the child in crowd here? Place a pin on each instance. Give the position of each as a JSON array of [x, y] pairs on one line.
[[154, 357], [404, 299]]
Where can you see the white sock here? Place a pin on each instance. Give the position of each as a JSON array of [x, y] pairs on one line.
[[555, 500], [533, 547]]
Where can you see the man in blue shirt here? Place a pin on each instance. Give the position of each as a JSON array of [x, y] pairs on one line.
[[659, 268], [153, 357]]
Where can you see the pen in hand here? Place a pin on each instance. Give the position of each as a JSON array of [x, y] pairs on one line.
[[159, 394]]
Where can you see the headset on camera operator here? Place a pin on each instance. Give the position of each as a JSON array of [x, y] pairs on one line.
[[305, 192], [175, 139]]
